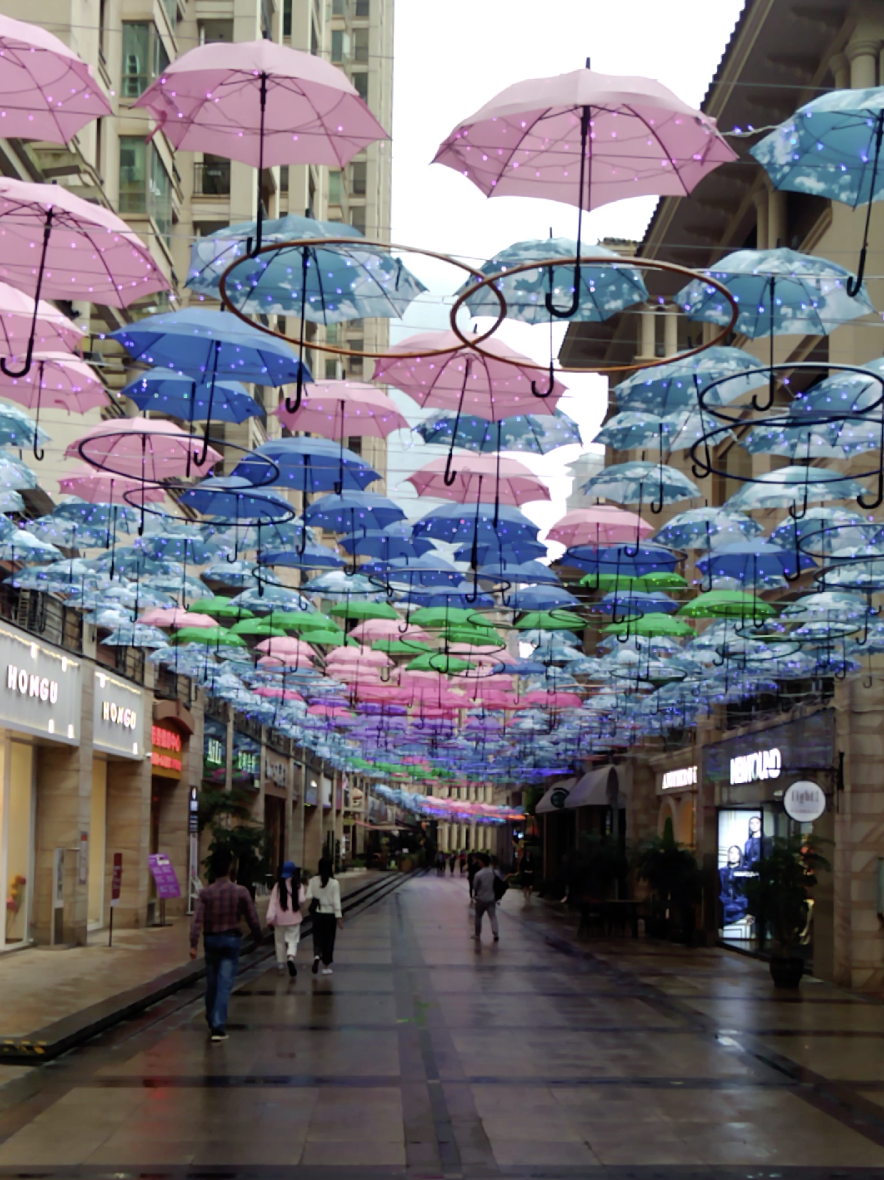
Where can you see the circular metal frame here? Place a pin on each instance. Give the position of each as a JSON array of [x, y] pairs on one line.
[[589, 259], [312, 243]]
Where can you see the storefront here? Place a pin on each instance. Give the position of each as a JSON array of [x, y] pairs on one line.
[[40, 705], [676, 782], [750, 779], [118, 760], [173, 725], [276, 790]]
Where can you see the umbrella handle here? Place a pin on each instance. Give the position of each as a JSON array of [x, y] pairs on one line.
[[299, 393], [29, 355], [854, 285], [567, 313], [38, 451], [550, 387]]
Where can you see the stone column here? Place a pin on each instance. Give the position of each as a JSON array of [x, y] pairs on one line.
[[863, 57], [670, 331], [760, 200], [128, 832], [840, 68], [648, 332]]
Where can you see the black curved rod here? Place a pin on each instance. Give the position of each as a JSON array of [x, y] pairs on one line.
[[262, 97], [450, 476], [550, 387], [227, 556], [29, 354], [204, 452], [854, 285], [38, 451], [302, 540], [793, 512], [656, 506], [771, 384], [842, 675], [339, 482], [258, 577], [793, 577], [701, 468], [566, 313], [299, 387]]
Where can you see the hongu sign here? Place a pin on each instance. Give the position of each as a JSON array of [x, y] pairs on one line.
[[117, 717], [757, 766], [40, 688]]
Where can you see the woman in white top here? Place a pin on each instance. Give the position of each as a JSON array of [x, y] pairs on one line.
[[327, 915], [284, 916]]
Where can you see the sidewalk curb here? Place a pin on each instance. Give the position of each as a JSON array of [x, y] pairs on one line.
[[54, 1039]]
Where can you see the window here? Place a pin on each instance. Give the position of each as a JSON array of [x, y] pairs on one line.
[[283, 178], [335, 187], [145, 185], [144, 57], [170, 7], [331, 369], [358, 174], [360, 81], [363, 9], [360, 44], [287, 18], [339, 7], [354, 444], [340, 47], [357, 218], [354, 363], [333, 334]]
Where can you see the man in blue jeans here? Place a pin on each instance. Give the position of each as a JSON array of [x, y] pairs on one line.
[[219, 910]]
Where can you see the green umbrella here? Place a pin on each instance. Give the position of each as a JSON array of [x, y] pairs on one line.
[[650, 624], [263, 627], [550, 620], [330, 638], [313, 621], [438, 662], [209, 636], [659, 580], [474, 636], [440, 617], [220, 608], [357, 608], [727, 604], [401, 647]]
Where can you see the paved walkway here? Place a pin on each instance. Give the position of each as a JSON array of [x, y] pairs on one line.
[[426, 1054]]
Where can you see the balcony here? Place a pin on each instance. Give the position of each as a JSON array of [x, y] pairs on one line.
[[42, 615], [211, 178]]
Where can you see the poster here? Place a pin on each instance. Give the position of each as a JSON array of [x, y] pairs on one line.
[[741, 843], [164, 876]]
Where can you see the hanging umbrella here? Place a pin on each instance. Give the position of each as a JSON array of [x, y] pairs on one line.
[[86, 252], [494, 550], [96, 487], [147, 449], [308, 465], [174, 547], [509, 481], [586, 139], [271, 598], [837, 438], [650, 624], [559, 620], [467, 522], [55, 379], [14, 474], [621, 560], [343, 409], [68, 534], [603, 524], [727, 604], [822, 530], [751, 560], [136, 635], [831, 147], [395, 540], [848, 391], [20, 317], [263, 104], [329, 284], [678, 384], [794, 487], [342, 585], [521, 573], [306, 556], [541, 598], [241, 574], [353, 510], [698, 528], [632, 483], [535, 433], [18, 429], [179, 396], [604, 290]]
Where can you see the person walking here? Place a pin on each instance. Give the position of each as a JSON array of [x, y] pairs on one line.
[[284, 916], [462, 860], [526, 874], [473, 867], [452, 861], [328, 917], [219, 910], [440, 864], [486, 897]]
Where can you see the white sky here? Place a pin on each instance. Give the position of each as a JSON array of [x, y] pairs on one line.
[[451, 57]]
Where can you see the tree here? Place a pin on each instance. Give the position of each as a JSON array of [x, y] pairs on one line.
[[673, 875], [228, 814], [779, 894]]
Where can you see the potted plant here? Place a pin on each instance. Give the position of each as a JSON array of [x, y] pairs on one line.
[[674, 878], [778, 901]]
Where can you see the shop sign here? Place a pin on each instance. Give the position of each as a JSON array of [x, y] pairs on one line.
[[804, 802], [684, 776], [276, 769], [214, 750], [756, 767], [246, 759], [741, 844], [165, 758], [118, 716], [164, 876], [193, 812], [40, 689]]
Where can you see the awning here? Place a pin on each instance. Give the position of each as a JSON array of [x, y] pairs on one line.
[[601, 787], [555, 797]]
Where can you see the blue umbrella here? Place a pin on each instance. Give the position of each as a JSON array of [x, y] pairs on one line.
[[272, 598], [544, 598], [236, 500], [353, 510], [309, 465], [174, 547], [395, 540], [464, 522], [779, 292], [515, 551], [135, 635], [306, 556], [750, 560], [822, 530], [15, 475], [537, 434], [831, 147], [852, 391], [463, 595], [633, 561], [18, 429], [697, 528], [527, 572], [102, 516], [634, 603], [179, 396], [795, 488], [67, 534], [631, 483], [244, 575], [603, 290], [430, 569], [678, 384], [21, 547]]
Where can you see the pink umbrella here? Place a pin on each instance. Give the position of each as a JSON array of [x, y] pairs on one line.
[[512, 482], [98, 488], [55, 379], [55, 242], [585, 139], [603, 524], [373, 629], [339, 409], [286, 646], [358, 655], [46, 91], [279, 694], [262, 104], [149, 449], [289, 660], [491, 386], [173, 616], [52, 330]]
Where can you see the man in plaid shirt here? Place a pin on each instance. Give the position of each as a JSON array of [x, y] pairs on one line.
[[219, 910]]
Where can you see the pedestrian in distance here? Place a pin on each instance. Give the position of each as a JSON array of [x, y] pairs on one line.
[[440, 864], [284, 916], [220, 908], [452, 861], [526, 874], [486, 896], [473, 867], [324, 896], [462, 861]]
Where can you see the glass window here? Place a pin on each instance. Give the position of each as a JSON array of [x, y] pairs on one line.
[[171, 9], [360, 44], [357, 218], [358, 176], [144, 57], [331, 369], [160, 201], [287, 18], [335, 187], [133, 174], [340, 46], [360, 81], [339, 7], [284, 178], [363, 9]]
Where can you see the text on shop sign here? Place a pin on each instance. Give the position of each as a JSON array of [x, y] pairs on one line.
[[118, 715], [165, 739], [755, 767], [685, 776], [26, 684]]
